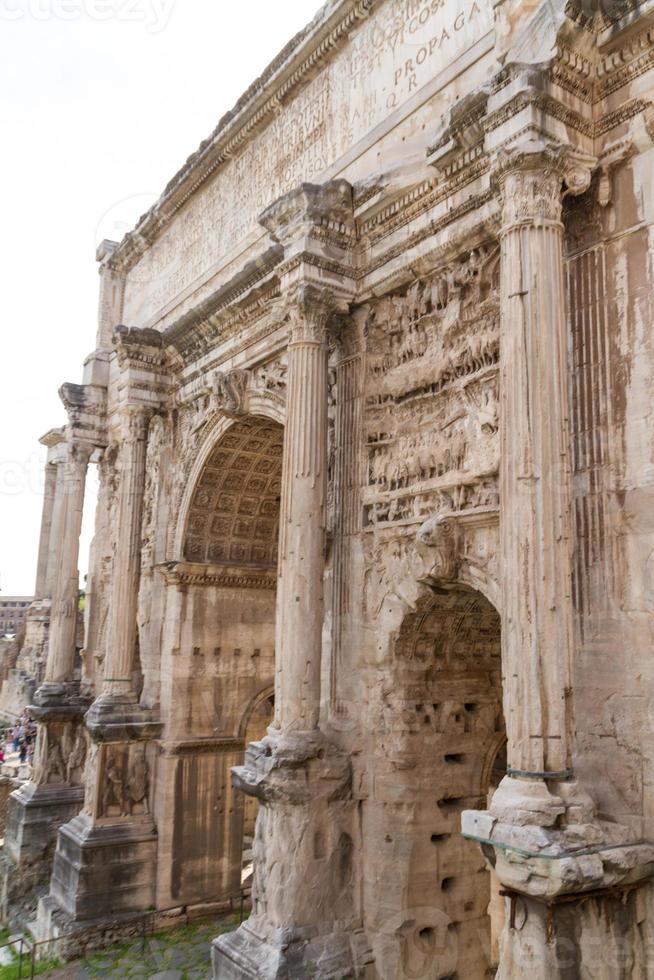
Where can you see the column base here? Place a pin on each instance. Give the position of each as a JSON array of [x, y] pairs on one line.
[[53, 796], [116, 717], [247, 955], [575, 886], [34, 815], [546, 841], [104, 870], [58, 699], [303, 922]]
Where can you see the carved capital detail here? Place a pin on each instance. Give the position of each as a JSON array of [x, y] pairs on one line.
[[135, 422], [79, 453], [310, 310], [531, 175]]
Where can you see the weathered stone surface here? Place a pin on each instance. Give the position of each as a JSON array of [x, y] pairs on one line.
[[374, 529]]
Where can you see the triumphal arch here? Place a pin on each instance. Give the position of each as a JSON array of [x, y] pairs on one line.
[[371, 581]]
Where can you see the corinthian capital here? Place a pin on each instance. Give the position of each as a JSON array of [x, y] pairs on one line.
[[310, 310], [531, 178], [134, 422], [79, 453]]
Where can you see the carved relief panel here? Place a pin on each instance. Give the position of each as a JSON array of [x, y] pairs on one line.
[[120, 785], [60, 753], [431, 406]]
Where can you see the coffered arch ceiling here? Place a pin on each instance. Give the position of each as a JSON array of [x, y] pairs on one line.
[[234, 513]]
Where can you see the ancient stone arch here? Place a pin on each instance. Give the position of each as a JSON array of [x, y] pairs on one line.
[[260, 706], [257, 717], [461, 366], [221, 604]]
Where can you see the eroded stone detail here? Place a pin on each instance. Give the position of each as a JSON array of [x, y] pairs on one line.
[[389, 458]]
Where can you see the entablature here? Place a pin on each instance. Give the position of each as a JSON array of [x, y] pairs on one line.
[[402, 221]]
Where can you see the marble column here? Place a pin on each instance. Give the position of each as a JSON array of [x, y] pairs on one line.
[[56, 527], [535, 492], [54, 793], [300, 598], [117, 685], [49, 488], [303, 911], [65, 598], [37, 626], [535, 530], [542, 834]]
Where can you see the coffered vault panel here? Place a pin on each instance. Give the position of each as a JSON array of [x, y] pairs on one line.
[[234, 515]]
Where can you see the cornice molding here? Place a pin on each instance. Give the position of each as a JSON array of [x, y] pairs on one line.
[[201, 746], [184, 573]]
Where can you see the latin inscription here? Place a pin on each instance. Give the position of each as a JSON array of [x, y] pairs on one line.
[[389, 57]]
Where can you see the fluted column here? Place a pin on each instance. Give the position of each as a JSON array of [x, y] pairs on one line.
[[50, 484], [535, 529], [63, 619], [300, 598], [127, 559], [56, 529]]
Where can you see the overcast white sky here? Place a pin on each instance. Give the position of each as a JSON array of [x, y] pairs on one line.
[[101, 102]]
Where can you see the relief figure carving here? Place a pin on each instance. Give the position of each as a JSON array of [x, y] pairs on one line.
[[229, 391]]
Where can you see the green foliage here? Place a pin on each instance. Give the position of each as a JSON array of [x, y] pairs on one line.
[[9, 971]]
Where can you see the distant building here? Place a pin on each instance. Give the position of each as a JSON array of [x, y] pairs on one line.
[[13, 610]]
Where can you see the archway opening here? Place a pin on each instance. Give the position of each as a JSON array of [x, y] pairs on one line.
[[223, 657], [443, 738]]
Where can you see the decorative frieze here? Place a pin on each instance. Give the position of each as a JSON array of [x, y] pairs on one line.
[[431, 393]]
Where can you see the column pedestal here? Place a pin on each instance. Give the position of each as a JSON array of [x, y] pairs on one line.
[[575, 894], [304, 866], [36, 810], [104, 867]]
